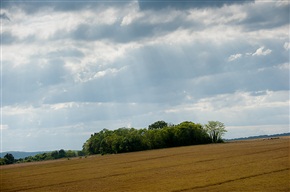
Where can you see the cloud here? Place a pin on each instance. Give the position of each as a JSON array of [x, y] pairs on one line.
[[65, 52], [261, 51], [74, 5], [257, 19], [4, 16], [73, 69], [27, 82], [286, 46], [243, 107], [132, 15], [163, 4], [3, 127], [234, 57], [7, 38], [31, 7]]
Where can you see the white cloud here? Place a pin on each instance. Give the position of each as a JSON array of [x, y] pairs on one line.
[[60, 106], [4, 127], [237, 109], [280, 3], [133, 14], [218, 16], [263, 52], [234, 57], [108, 71], [284, 66], [286, 46]]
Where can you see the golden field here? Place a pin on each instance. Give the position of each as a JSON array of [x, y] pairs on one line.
[[255, 165]]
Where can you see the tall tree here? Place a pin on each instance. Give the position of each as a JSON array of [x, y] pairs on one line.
[[54, 154], [158, 125], [216, 130], [61, 153], [9, 158]]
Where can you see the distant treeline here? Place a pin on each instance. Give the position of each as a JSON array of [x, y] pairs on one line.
[[9, 158], [260, 136], [158, 135], [21, 154]]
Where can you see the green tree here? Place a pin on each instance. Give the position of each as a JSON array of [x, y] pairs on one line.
[[216, 130], [158, 125], [61, 153], [54, 154], [81, 153], [9, 158], [2, 161], [70, 153]]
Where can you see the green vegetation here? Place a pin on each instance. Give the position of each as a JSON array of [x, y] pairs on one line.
[[9, 159], [216, 130], [158, 135], [158, 125]]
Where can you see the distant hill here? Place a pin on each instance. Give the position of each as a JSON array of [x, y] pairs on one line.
[[260, 136], [20, 154]]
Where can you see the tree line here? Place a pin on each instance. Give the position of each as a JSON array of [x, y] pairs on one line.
[[57, 154], [158, 135]]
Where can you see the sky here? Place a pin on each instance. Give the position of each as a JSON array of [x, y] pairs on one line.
[[72, 68]]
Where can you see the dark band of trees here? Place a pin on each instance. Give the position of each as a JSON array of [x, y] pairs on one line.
[[158, 135]]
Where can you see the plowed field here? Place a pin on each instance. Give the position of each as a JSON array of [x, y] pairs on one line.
[[255, 165]]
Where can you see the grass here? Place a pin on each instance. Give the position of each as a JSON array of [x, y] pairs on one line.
[[256, 165]]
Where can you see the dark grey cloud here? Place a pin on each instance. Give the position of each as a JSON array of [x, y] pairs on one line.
[[124, 33], [4, 16], [75, 5], [141, 28], [113, 32], [259, 17], [7, 38], [31, 7], [186, 4]]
